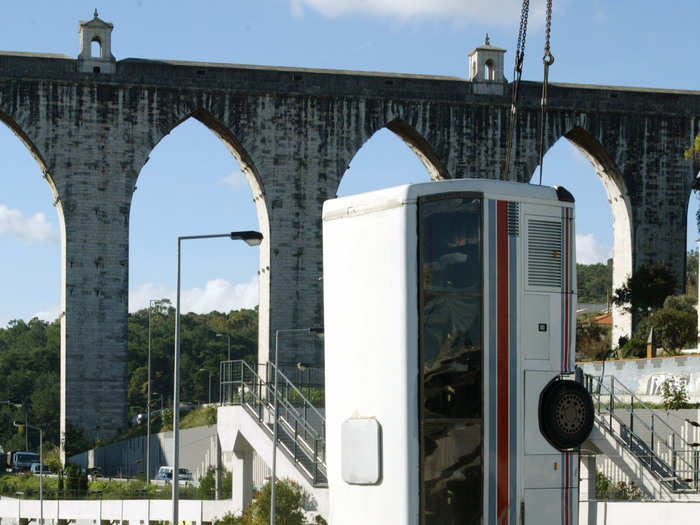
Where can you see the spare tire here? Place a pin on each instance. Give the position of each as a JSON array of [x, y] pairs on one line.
[[565, 414]]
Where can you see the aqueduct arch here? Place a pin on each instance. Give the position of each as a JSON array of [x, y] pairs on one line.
[[415, 142], [95, 122], [618, 198], [255, 184]]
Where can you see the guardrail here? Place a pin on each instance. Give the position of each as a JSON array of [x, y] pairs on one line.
[[662, 450], [301, 428]]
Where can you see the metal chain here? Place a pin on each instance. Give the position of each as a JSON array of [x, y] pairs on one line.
[[548, 60], [522, 35], [517, 74]]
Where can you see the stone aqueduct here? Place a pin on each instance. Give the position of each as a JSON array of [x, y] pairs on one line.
[[92, 122]]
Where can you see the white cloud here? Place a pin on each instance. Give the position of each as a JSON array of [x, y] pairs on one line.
[[50, 314], [217, 294], [26, 229], [235, 179], [499, 12], [590, 251]]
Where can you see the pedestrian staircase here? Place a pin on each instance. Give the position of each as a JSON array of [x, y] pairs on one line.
[[301, 426], [646, 435]]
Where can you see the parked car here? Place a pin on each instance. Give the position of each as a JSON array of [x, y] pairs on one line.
[[34, 469], [166, 474]]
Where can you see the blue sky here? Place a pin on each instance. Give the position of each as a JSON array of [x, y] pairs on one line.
[[193, 185]]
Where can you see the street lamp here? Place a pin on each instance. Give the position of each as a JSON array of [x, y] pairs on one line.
[[41, 467], [229, 344], [205, 370], [148, 396], [319, 332], [252, 238]]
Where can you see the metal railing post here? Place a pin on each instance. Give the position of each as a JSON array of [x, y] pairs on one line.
[[316, 463], [696, 469], [673, 458], [632, 416], [296, 437], [652, 432], [612, 399]]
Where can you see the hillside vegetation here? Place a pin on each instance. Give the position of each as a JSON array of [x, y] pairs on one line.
[[30, 359]]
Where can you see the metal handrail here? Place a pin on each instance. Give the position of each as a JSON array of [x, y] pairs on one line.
[[306, 402], [241, 384], [666, 461]]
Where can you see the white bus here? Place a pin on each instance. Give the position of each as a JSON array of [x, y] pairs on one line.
[[449, 351]]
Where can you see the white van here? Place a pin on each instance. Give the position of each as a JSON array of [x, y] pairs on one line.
[[166, 474]]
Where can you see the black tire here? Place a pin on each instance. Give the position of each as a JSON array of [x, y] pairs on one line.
[[565, 414]]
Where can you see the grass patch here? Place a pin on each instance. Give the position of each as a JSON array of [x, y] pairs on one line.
[[196, 417]]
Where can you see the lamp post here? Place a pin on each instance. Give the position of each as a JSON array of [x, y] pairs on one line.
[[273, 492], [41, 467], [229, 344], [148, 395], [252, 238], [206, 370]]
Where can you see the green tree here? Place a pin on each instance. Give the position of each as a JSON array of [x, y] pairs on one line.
[[675, 327], [289, 504], [30, 362], [290, 500], [646, 289], [207, 484], [691, 274], [594, 282], [137, 390]]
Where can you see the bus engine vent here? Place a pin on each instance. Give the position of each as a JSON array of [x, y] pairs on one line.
[[514, 218], [544, 252]]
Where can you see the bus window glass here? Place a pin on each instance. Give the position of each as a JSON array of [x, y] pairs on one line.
[[451, 355]]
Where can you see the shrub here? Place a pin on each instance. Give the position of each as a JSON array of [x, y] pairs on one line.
[[606, 489], [290, 502], [674, 395]]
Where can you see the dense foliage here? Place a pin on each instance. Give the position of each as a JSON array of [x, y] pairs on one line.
[[646, 289], [200, 349], [675, 328], [594, 282], [290, 501], [29, 366], [30, 359]]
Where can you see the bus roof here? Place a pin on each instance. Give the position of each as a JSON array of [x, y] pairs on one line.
[[396, 196]]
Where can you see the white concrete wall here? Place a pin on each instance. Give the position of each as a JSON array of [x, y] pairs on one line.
[[134, 511], [636, 513], [241, 434], [645, 376], [128, 458]]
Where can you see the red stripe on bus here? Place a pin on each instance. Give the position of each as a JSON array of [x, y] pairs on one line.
[[566, 491], [502, 353], [566, 295]]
